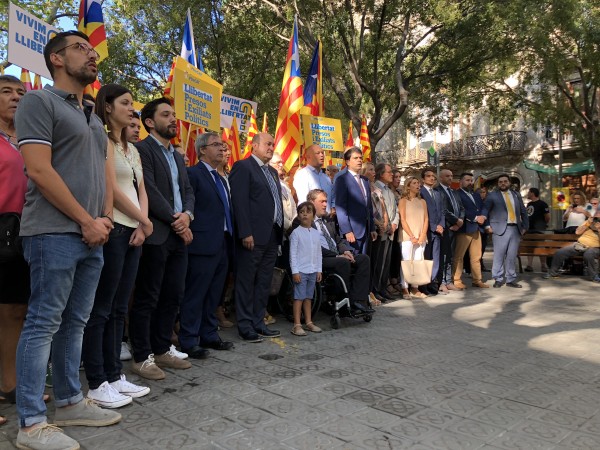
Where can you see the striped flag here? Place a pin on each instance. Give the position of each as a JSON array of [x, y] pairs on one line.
[[26, 80], [250, 135], [91, 22], [313, 88], [365, 142], [288, 138], [169, 85], [236, 145], [92, 88], [37, 83], [265, 125], [350, 138]]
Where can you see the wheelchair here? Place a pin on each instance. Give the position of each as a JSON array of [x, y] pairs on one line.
[[331, 296]]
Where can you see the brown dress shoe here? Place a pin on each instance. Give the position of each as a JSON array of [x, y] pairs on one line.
[[459, 285], [452, 287], [481, 284]]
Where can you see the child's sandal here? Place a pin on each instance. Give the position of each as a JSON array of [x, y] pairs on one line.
[[312, 327], [298, 330]]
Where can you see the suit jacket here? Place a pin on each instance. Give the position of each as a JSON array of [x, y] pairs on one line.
[[253, 204], [159, 187], [354, 214], [341, 243], [435, 209], [473, 207], [495, 210], [451, 216], [207, 226]]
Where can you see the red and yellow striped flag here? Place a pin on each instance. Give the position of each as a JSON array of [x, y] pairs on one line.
[[26, 79], [365, 142], [93, 88], [236, 145], [350, 138], [288, 137], [168, 86], [252, 130], [265, 124], [37, 83], [91, 22]]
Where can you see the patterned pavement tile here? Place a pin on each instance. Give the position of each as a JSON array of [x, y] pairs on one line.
[[459, 407], [513, 441], [367, 397], [398, 407], [345, 429], [381, 441], [252, 418], [540, 430], [580, 441], [342, 407], [555, 418], [218, 428], [312, 440], [499, 418], [452, 441], [186, 439], [436, 417], [247, 440], [150, 431], [313, 417], [280, 429], [473, 428], [372, 417], [112, 439], [406, 428]]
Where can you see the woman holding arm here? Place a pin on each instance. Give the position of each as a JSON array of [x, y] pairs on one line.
[[103, 332], [414, 219]]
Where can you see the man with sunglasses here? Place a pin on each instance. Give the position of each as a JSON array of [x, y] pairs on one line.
[[66, 220]]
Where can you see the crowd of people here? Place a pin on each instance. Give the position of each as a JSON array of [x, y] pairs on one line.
[[120, 238]]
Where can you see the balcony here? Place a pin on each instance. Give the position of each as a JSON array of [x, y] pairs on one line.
[[508, 146]]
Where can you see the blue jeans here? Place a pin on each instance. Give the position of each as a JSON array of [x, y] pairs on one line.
[[64, 276], [104, 330]]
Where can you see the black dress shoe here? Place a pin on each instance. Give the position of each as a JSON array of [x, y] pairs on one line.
[[358, 307], [250, 337], [265, 332], [497, 284], [382, 298], [196, 352], [514, 284], [218, 345]]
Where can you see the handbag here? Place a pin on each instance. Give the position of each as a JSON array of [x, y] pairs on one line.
[[10, 243], [276, 281], [417, 272]]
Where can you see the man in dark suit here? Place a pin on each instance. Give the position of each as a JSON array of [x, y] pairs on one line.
[[258, 212], [209, 252], [508, 221], [454, 214], [437, 223], [353, 205], [468, 237], [160, 281], [339, 257]]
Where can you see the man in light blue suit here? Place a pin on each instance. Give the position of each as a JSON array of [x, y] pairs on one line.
[[508, 219]]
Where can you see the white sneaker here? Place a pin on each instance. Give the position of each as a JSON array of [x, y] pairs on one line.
[[126, 388], [108, 397], [173, 351], [125, 352]]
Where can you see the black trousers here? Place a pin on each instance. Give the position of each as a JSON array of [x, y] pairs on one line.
[[356, 276]]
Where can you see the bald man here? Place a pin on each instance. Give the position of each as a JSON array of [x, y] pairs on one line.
[[312, 177]]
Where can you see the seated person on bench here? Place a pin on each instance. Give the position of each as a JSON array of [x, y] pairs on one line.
[[587, 246], [339, 257]]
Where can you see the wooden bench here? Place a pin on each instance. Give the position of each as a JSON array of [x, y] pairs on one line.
[[544, 244]]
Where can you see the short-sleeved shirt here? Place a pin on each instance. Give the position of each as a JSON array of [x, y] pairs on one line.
[[536, 210], [78, 143]]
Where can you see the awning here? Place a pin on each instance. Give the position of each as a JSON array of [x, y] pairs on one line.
[[568, 169]]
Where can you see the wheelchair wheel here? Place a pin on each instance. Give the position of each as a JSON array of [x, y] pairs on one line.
[[335, 322], [368, 318]]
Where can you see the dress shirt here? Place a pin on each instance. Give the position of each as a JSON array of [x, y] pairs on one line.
[[305, 251], [210, 170], [360, 182], [168, 153], [511, 199], [309, 178], [261, 164], [320, 224]]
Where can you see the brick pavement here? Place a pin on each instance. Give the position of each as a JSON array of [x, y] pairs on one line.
[[494, 369]]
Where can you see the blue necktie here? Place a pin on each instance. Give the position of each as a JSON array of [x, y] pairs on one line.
[[223, 195], [275, 193]]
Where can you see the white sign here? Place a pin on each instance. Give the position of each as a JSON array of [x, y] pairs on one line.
[[27, 37], [240, 109]]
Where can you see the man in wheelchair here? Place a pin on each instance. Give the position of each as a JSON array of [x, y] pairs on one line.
[[339, 257]]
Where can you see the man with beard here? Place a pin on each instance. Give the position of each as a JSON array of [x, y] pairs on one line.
[[65, 222], [160, 282]]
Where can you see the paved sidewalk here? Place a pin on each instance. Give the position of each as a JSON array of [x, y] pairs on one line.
[[496, 368]]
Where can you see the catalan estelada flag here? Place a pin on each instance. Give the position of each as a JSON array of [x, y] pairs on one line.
[[91, 22], [313, 88], [26, 80], [350, 138], [288, 137], [252, 130], [37, 83], [365, 142], [265, 125]]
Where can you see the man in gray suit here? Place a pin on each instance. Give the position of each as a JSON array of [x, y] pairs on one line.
[[509, 221]]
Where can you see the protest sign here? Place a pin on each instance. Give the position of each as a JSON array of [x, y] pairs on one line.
[[240, 109], [323, 131]]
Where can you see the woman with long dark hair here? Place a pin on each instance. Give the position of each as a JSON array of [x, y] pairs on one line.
[[104, 330]]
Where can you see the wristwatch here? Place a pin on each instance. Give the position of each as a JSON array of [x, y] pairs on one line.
[[189, 213]]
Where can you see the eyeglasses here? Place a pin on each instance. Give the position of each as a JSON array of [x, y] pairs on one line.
[[217, 145], [82, 47]]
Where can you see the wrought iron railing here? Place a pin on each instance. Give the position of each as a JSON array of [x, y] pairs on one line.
[[505, 143]]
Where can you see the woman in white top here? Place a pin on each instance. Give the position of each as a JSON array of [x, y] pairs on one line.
[[104, 330], [578, 212]]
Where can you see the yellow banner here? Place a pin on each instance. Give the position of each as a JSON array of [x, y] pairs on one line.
[[197, 96], [560, 198], [323, 131]]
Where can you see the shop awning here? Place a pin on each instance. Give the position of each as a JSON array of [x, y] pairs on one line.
[[568, 169]]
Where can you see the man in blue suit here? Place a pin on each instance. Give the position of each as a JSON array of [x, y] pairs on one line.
[[468, 236], [353, 205], [437, 223], [209, 252], [258, 212], [508, 221]]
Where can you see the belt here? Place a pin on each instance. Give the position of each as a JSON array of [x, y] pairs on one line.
[[511, 224]]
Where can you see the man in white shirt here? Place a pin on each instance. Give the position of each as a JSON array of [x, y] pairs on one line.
[[312, 177]]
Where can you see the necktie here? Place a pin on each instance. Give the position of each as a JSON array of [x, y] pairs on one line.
[[452, 200], [223, 195], [512, 218], [275, 194], [325, 233], [362, 188]]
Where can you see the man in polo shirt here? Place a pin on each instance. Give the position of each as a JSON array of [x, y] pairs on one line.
[[65, 222], [311, 177], [160, 282]]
